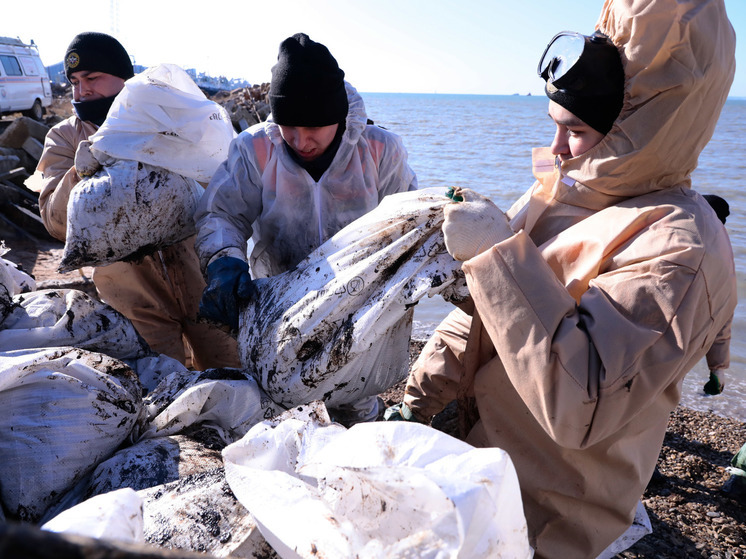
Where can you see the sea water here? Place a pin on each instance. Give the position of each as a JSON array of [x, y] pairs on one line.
[[484, 142]]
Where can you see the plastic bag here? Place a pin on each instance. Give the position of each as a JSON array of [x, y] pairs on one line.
[[163, 119], [382, 489], [125, 211], [64, 411], [336, 327]]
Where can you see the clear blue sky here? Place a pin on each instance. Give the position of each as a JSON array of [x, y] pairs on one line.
[[417, 46]]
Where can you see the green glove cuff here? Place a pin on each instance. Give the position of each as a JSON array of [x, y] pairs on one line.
[[399, 412]]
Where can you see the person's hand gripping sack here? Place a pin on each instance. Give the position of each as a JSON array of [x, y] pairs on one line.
[[473, 224], [229, 286], [85, 164]]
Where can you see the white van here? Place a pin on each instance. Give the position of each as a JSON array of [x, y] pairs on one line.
[[24, 83]]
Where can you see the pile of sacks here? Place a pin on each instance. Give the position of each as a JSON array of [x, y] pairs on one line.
[[98, 427]]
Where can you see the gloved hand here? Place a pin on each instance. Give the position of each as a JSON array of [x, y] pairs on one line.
[[473, 225], [399, 412], [713, 386], [85, 164], [228, 286]]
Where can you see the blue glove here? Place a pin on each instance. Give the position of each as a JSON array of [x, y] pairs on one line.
[[228, 286]]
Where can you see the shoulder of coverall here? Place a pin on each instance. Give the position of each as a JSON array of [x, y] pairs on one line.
[[679, 63]]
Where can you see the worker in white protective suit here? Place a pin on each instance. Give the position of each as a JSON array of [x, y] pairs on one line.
[[604, 285], [292, 182]]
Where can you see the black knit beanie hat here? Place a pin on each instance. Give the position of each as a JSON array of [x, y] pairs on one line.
[[307, 87], [97, 52], [595, 92]]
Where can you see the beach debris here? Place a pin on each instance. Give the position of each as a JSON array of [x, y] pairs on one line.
[[335, 327]]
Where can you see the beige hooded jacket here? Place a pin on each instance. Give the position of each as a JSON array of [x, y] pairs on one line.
[[619, 280], [161, 293]]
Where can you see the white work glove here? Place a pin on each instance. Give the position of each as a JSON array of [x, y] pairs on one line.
[[85, 164], [473, 223]]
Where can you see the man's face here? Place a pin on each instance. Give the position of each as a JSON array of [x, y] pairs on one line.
[[573, 137], [90, 86], [309, 142]]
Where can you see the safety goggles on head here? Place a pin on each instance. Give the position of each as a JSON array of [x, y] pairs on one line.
[[570, 57]]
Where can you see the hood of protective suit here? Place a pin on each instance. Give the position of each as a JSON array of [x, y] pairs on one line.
[[678, 71]]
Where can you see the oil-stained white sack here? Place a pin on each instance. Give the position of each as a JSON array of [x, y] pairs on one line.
[[199, 513], [64, 410], [162, 118], [382, 489], [325, 330], [226, 400], [114, 516], [12, 282], [125, 211], [12, 278], [69, 317]]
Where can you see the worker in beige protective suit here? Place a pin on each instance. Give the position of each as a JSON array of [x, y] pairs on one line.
[[160, 294], [611, 280]]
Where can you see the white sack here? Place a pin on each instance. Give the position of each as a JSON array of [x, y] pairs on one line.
[[640, 527], [153, 369], [200, 513], [226, 400], [115, 516], [68, 317], [162, 118], [64, 410], [152, 462], [13, 279], [12, 282], [125, 211], [324, 330], [382, 489]]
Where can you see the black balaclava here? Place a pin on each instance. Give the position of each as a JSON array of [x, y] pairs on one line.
[[96, 52], [593, 88], [307, 87]]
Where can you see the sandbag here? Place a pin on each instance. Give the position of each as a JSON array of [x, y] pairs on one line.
[[115, 516], [226, 400], [69, 317], [163, 119], [64, 411], [381, 489], [12, 282], [336, 328], [152, 462], [125, 211], [200, 513]]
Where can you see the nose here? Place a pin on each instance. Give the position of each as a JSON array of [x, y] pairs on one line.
[[303, 137], [560, 146], [84, 88]]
